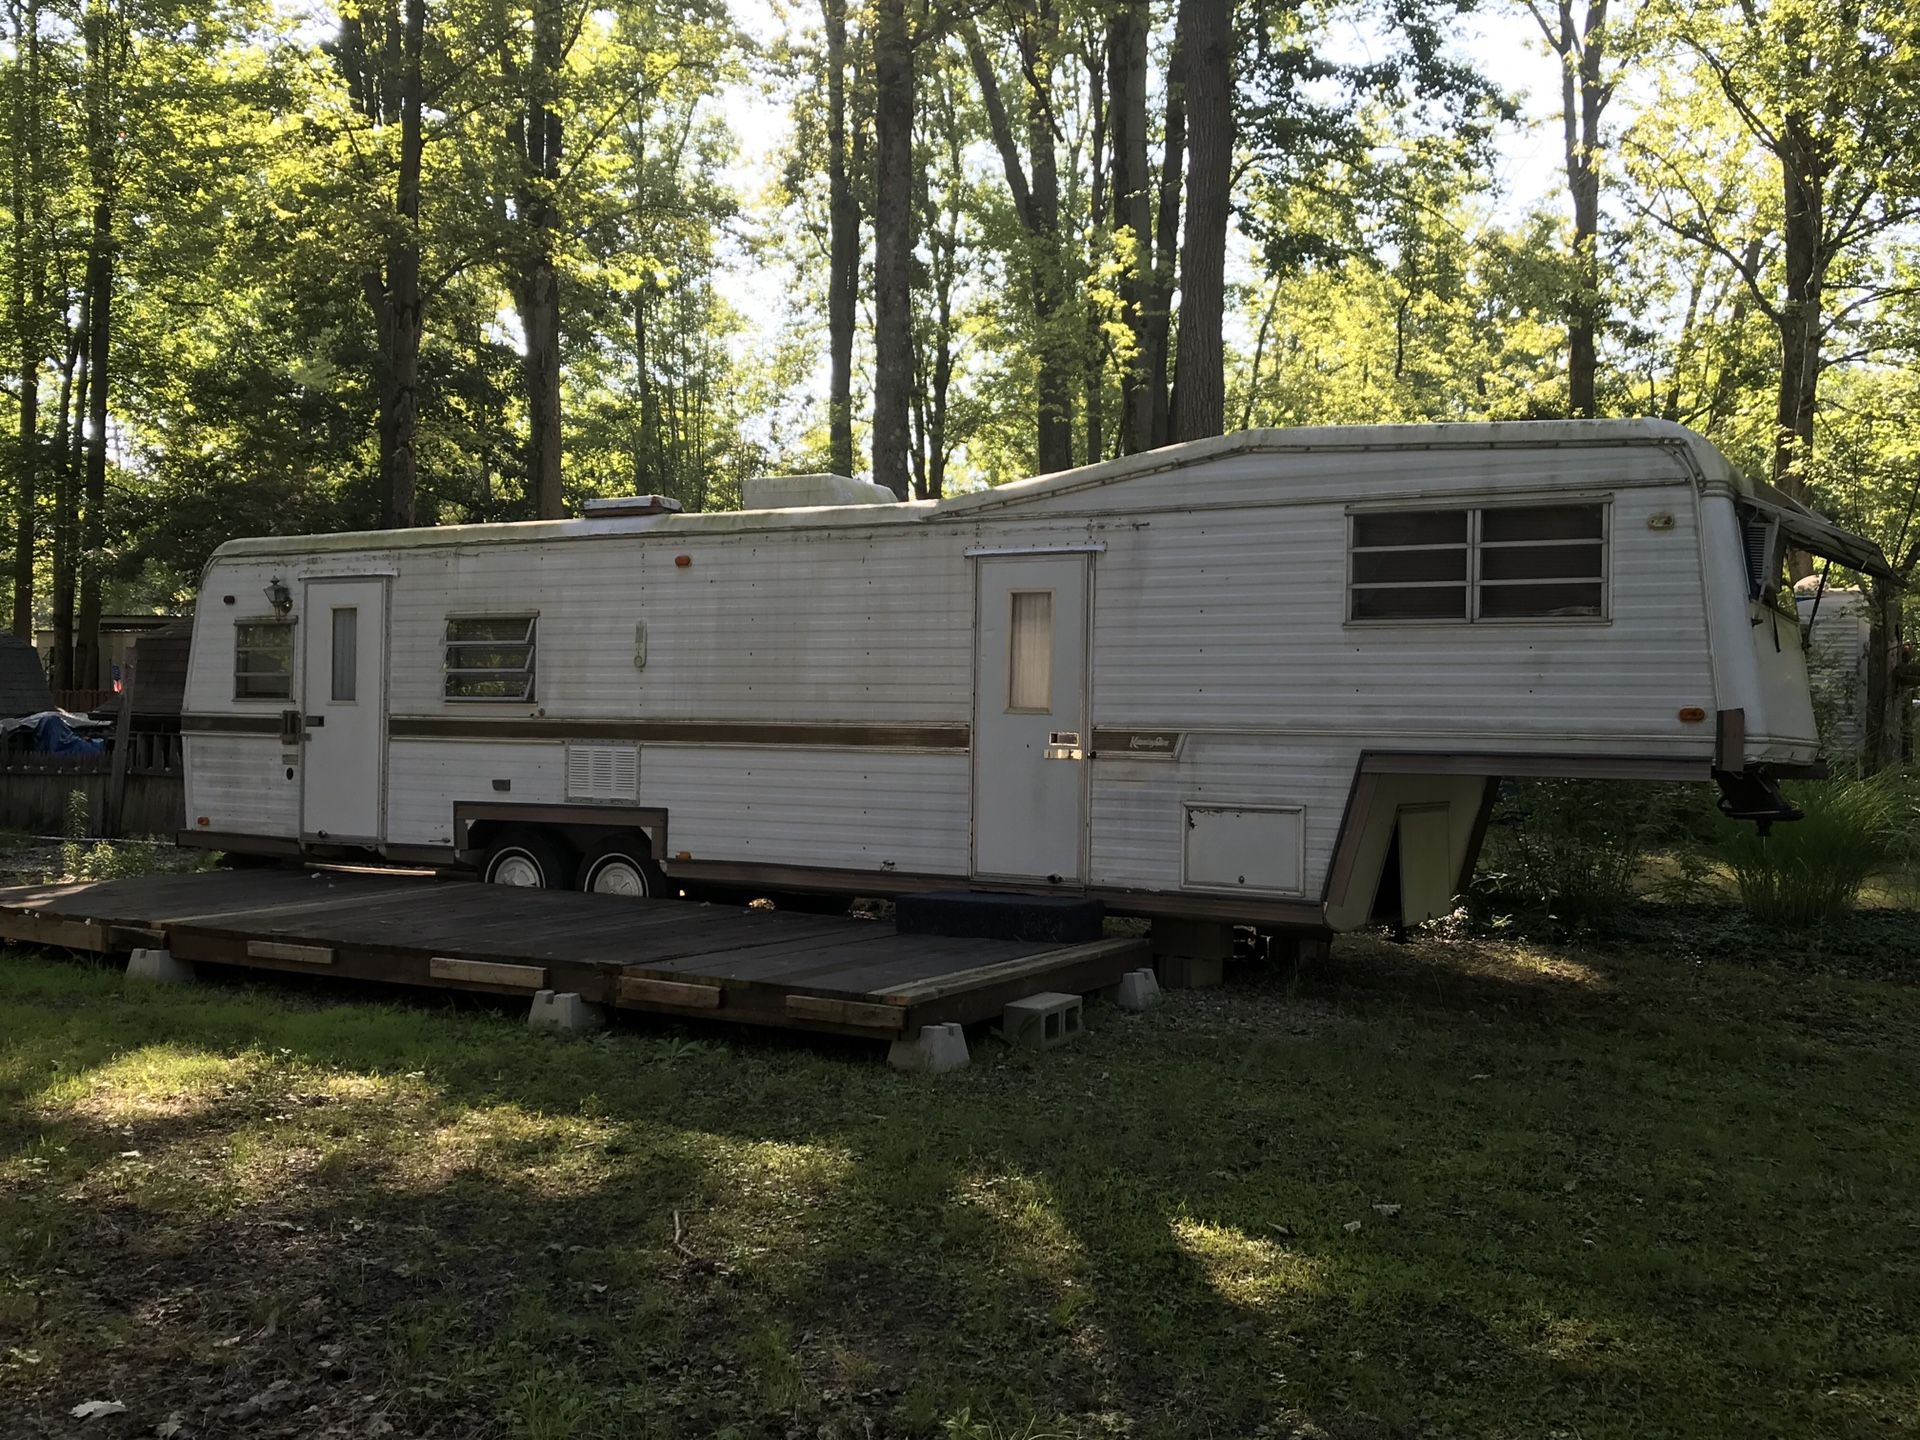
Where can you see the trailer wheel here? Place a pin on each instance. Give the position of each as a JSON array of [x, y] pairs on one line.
[[623, 865], [527, 859]]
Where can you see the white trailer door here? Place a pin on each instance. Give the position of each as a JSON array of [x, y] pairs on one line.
[[344, 692], [1030, 737]]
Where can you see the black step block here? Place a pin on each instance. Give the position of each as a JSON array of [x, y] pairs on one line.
[[988, 915]]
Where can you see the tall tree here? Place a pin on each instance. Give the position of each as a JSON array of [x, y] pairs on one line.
[[843, 248], [1206, 58], [107, 39], [1585, 89], [536, 133], [29, 297], [1132, 211], [893, 216], [1034, 187], [1158, 303], [1832, 96], [380, 55]]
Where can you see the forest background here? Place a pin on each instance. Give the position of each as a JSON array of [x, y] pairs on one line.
[[274, 269]]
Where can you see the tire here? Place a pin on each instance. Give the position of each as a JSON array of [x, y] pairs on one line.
[[622, 865], [529, 860]]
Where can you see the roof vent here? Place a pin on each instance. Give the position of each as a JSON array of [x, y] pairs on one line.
[[619, 506], [791, 492]]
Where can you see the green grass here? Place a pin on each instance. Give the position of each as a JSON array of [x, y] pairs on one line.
[[1597, 1193]]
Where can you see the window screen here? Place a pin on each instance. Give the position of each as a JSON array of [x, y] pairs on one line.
[[1518, 562], [262, 660], [1542, 561], [1030, 651], [1410, 565], [346, 653], [490, 657]]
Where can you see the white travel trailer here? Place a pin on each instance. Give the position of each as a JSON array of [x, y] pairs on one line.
[[1272, 678]]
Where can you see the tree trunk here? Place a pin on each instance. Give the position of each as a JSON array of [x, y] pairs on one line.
[[1799, 317], [1166, 244], [69, 447], [1127, 104], [1206, 51], [843, 249], [401, 314], [29, 306], [892, 243], [1094, 360], [1583, 97], [87, 657], [1036, 201], [103, 131], [1886, 696], [538, 292]]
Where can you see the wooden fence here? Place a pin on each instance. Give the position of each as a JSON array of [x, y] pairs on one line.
[[83, 702], [145, 797]]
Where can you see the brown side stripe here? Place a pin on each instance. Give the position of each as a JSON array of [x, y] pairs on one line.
[[660, 732], [231, 724]]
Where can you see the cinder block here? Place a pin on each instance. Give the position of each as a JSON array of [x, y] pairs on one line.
[[565, 1011], [1137, 990], [1040, 1022], [158, 966], [934, 1051]]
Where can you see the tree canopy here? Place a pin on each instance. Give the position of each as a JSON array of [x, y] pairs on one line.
[[425, 261]]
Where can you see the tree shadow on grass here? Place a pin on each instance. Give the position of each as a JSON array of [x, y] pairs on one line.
[[442, 1223]]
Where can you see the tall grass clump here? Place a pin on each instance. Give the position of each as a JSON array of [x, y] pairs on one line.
[[1812, 869]]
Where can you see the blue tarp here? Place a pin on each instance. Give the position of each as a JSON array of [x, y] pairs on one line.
[[54, 732]]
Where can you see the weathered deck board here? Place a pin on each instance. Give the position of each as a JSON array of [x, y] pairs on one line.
[[766, 967]]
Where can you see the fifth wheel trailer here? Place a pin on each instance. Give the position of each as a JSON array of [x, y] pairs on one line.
[[1272, 678]]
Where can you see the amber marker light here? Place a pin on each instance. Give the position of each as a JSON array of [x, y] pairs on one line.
[[681, 562], [1692, 714]]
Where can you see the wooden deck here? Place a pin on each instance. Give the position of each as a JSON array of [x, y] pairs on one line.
[[759, 967]]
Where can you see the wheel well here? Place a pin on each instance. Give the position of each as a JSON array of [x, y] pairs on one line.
[[579, 837]]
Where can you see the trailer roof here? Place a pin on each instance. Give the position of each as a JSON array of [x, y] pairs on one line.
[[1329, 439]]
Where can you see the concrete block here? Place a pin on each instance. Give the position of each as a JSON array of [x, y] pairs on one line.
[[565, 1011], [1190, 972], [1137, 990], [160, 967], [934, 1051], [1040, 1022]]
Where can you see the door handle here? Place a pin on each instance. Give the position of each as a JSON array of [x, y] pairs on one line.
[[314, 722]]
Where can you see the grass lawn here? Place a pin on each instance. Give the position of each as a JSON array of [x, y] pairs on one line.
[[1447, 1189]]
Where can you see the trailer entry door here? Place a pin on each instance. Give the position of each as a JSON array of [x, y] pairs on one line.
[[1030, 734], [344, 702]]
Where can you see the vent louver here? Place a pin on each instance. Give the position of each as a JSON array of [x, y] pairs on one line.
[[603, 772]]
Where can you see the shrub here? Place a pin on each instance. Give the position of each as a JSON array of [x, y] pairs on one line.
[[1813, 868], [1580, 846]]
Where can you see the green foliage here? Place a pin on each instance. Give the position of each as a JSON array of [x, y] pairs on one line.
[[1580, 847], [1812, 869]]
